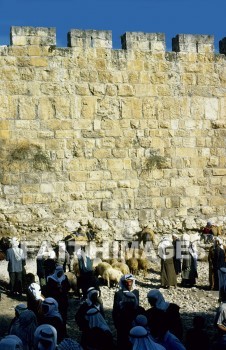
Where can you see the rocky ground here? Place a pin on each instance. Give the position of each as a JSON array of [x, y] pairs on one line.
[[198, 300]]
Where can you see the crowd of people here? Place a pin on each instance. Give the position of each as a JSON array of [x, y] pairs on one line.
[[41, 322]]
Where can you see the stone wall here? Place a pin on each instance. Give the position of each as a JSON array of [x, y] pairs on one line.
[[117, 139]]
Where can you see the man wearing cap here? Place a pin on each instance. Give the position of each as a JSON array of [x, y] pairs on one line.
[[126, 284], [125, 309]]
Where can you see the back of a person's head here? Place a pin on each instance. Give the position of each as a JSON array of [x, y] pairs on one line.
[[11, 342], [141, 320], [30, 278], [19, 309], [45, 337]]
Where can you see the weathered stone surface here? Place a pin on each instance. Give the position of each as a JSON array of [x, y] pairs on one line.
[[123, 137]]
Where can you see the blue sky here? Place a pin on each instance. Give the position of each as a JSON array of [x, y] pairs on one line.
[[171, 17]]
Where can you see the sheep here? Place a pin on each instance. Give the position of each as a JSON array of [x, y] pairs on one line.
[[143, 265], [112, 276], [95, 262], [72, 281], [124, 268], [75, 266], [133, 265], [101, 267]]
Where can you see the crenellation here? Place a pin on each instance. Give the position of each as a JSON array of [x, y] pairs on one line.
[[193, 43], [154, 42], [22, 36], [90, 39]]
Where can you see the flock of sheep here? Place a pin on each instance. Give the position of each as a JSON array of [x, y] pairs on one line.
[[111, 270]]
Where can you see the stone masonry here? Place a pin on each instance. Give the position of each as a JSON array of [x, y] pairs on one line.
[[115, 139]]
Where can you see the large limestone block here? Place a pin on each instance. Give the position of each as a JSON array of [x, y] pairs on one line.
[[88, 105], [216, 201], [115, 164], [5, 134], [39, 61], [125, 90], [94, 205], [93, 185], [28, 199], [192, 191], [219, 172], [78, 176], [211, 108], [186, 152], [173, 202], [11, 190], [74, 186], [47, 188], [108, 184]]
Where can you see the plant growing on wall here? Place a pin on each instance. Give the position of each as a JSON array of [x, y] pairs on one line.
[[155, 161], [32, 153]]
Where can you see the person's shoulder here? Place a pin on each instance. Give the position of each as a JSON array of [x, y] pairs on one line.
[[173, 307], [119, 292]]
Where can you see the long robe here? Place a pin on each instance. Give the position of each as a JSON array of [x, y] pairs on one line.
[[216, 260], [166, 253], [168, 274], [189, 268]]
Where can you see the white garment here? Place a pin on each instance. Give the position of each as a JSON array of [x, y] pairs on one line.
[[35, 290], [18, 252], [221, 314], [165, 243]]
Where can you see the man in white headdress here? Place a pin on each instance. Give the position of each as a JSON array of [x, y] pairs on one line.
[[166, 254], [16, 262]]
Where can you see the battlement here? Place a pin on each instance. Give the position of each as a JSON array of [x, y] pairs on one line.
[[22, 36], [154, 42]]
